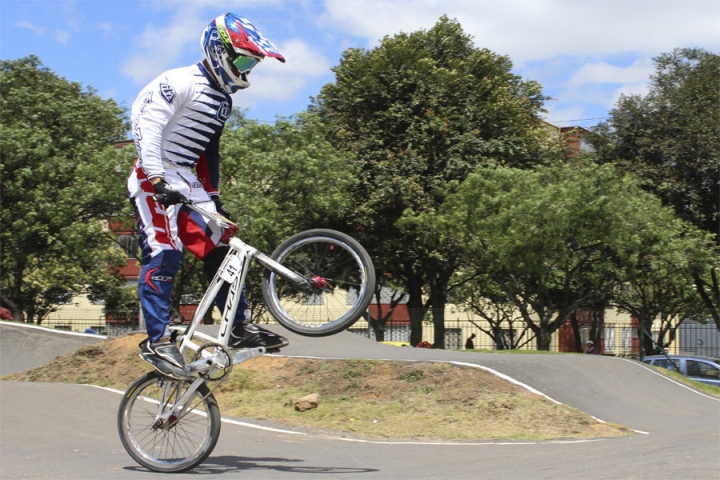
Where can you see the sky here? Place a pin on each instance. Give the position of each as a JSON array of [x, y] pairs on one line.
[[585, 53]]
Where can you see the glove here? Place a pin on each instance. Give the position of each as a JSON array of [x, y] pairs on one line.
[[220, 207], [166, 195]]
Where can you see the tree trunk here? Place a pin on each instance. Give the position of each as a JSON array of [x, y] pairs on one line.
[[16, 297], [576, 332], [415, 309], [438, 315], [710, 295], [379, 330], [648, 343], [544, 338]]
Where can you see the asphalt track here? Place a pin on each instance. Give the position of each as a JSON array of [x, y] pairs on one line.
[[60, 431]]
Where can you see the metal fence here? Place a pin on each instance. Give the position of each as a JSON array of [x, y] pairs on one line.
[[90, 321], [613, 336], [610, 338]]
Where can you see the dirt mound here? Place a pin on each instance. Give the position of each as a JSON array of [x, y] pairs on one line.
[[386, 399], [112, 363]]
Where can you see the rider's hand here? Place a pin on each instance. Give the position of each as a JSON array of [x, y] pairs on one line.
[[166, 194], [220, 207]]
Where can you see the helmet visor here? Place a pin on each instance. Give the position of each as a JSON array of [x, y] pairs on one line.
[[244, 64]]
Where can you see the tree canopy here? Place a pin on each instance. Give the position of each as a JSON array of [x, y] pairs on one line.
[[420, 111], [278, 180], [60, 173], [563, 237], [670, 139]]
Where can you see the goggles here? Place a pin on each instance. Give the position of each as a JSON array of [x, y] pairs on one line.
[[244, 63]]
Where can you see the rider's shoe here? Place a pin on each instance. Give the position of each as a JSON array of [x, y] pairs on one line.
[[165, 357], [250, 335]]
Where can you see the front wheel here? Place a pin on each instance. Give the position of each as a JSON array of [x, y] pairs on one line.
[[341, 280], [168, 443]]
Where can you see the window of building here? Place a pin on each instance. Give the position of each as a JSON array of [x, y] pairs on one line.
[[130, 244]]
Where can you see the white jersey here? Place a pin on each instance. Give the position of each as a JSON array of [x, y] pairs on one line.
[[177, 120]]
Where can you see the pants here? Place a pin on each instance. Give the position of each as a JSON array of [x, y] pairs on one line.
[[163, 232]]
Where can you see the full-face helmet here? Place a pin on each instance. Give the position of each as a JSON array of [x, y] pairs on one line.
[[233, 46]]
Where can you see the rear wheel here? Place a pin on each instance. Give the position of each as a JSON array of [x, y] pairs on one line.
[[341, 276], [179, 443]]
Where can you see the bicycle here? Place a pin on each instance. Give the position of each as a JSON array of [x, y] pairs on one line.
[[316, 283]]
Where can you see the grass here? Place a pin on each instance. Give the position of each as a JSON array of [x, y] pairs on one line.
[[364, 398], [679, 377]]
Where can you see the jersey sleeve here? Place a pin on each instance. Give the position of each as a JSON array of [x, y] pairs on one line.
[[208, 166], [152, 111]]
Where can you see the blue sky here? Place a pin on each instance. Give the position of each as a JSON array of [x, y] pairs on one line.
[[585, 53]]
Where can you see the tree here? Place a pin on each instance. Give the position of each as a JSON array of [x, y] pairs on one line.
[[505, 326], [558, 238], [61, 179], [420, 111], [387, 297], [670, 138], [280, 179], [658, 277]]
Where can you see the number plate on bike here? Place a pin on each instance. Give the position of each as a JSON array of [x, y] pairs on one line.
[[231, 269]]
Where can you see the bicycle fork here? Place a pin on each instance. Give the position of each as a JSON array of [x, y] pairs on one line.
[[168, 417]]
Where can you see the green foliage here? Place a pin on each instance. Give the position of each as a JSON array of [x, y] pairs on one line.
[[420, 111], [122, 303], [61, 176], [658, 279], [670, 138], [563, 237], [281, 179]]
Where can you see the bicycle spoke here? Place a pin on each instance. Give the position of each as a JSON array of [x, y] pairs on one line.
[[162, 434], [341, 273]]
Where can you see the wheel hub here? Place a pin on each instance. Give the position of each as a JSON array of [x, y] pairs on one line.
[[318, 282]]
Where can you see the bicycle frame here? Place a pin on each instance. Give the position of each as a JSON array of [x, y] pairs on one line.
[[330, 264], [233, 271]]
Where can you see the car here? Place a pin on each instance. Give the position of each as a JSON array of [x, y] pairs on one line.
[[700, 369]]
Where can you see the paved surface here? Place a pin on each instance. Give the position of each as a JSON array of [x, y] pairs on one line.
[[57, 431]]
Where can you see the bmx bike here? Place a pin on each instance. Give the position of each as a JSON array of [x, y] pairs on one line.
[[316, 283]]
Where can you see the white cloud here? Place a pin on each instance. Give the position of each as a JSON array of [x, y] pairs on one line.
[[562, 116], [601, 83], [602, 72], [629, 89], [161, 46], [37, 29], [541, 29], [587, 51], [60, 36], [273, 80]]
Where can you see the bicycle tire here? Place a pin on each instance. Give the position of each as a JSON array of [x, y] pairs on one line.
[[344, 290], [179, 446]]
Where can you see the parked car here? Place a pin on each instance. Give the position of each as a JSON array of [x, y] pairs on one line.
[[701, 369]]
